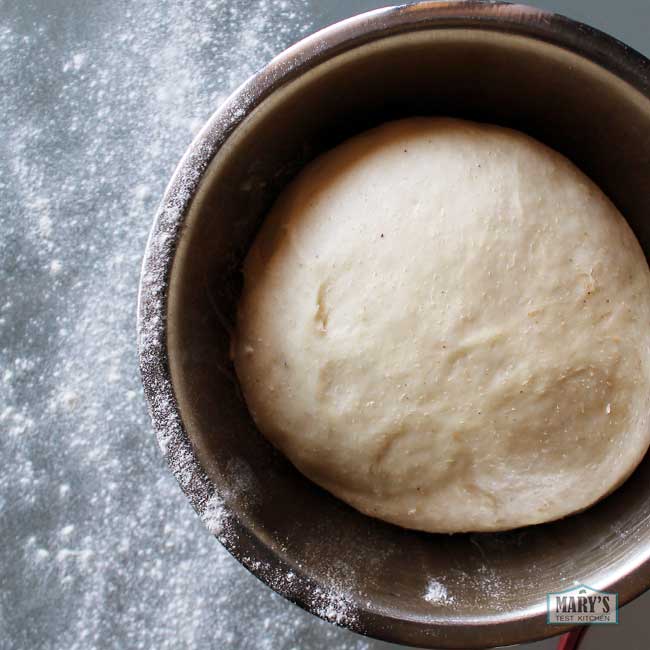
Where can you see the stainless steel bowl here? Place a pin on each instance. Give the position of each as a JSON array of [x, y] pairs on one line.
[[570, 86]]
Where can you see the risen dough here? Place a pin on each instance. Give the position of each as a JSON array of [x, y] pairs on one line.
[[445, 324]]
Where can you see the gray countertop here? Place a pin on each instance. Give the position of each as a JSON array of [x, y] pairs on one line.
[[99, 548]]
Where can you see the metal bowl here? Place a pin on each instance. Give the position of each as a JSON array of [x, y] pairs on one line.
[[568, 85]]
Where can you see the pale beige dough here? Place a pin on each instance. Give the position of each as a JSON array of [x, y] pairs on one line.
[[445, 324]]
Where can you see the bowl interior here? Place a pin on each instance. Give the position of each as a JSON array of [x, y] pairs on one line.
[[285, 523]]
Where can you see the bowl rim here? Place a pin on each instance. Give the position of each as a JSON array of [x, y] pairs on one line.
[[522, 20]]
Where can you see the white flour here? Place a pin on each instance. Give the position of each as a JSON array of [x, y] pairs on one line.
[[436, 593], [100, 548]]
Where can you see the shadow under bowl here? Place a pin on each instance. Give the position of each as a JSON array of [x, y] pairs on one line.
[[576, 89]]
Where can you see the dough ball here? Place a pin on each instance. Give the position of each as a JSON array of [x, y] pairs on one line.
[[445, 324]]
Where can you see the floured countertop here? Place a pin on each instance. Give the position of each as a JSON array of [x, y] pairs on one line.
[[100, 549]]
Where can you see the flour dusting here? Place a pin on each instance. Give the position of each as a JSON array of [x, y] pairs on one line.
[[436, 593], [218, 519], [333, 604]]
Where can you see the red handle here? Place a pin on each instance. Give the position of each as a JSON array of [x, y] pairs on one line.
[[571, 640]]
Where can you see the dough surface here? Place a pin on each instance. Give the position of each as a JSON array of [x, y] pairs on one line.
[[445, 324]]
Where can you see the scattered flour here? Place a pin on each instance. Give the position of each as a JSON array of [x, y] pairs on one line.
[[55, 267], [436, 594], [216, 516], [76, 62], [104, 550], [66, 531], [334, 605]]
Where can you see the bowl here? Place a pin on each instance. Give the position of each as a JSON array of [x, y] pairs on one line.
[[570, 86]]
